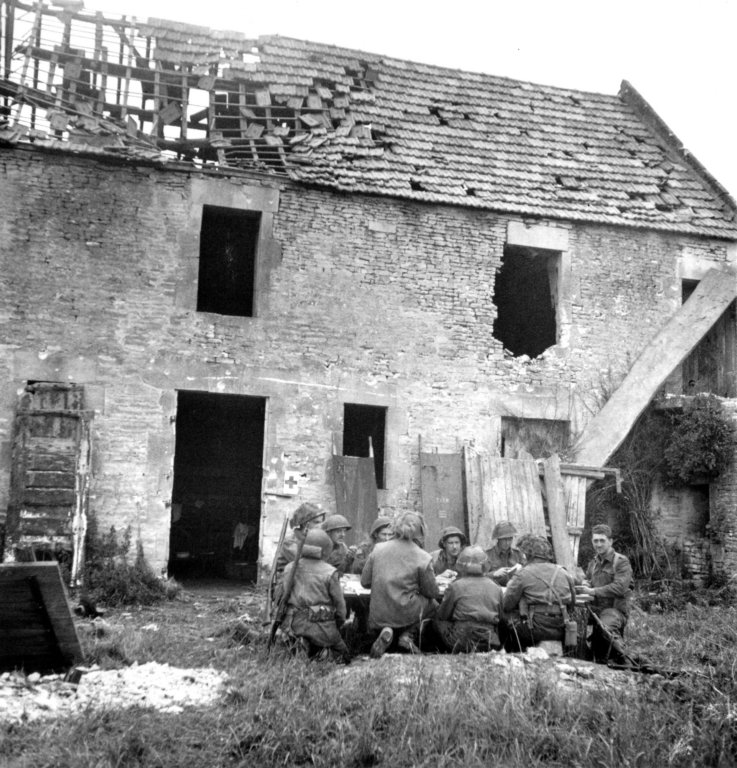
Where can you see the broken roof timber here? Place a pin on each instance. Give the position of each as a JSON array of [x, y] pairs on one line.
[[353, 121]]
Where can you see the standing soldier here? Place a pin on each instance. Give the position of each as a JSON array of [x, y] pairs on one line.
[[609, 582], [537, 598], [504, 559], [452, 541]]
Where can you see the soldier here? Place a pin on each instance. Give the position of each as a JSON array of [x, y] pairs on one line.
[[504, 559], [609, 582], [336, 527], [305, 517], [315, 606], [403, 588], [537, 597], [468, 618], [381, 530], [452, 541]]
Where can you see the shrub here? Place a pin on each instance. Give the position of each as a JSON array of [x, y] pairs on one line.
[[111, 579], [701, 443]]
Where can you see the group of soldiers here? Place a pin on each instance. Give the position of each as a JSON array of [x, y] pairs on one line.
[[508, 596]]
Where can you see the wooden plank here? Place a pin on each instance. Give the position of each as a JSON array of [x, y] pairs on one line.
[[355, 494], [606, 431], [37, 632], [501, 489], [442, 493], [557, 513]]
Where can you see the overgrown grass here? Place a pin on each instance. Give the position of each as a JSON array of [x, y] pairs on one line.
[[408, 711]]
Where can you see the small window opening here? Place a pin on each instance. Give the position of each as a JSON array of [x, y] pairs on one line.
[[361, 422], [525, 295], [228, 241]]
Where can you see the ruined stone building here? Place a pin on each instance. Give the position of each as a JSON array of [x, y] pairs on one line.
[[225, 259]]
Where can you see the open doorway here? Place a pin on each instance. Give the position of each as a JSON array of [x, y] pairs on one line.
[[216, 499]]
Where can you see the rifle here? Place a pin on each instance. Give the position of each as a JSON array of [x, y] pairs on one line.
[[630, 662], [281, 608], [273, 574]]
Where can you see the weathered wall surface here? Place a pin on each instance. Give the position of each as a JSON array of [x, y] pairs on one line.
[[365, 300]]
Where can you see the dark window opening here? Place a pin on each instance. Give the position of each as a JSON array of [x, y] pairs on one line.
[[541, 438], [227, 274], [361, 422], [525, 295], [216, 498]]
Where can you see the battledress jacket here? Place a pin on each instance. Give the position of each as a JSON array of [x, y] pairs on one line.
[[539, 583], [316, 606], [611, 578], [441, 562], [402, 583]]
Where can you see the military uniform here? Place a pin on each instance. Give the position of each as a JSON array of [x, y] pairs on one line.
[[611, 578], [316, 606], [442, 562], [533, 604], [468, 618], [498, 559]]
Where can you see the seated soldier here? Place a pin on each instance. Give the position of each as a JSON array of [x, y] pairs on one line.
[[381, 530], [403, 588], [336, 527], [609, 582], [504, 559], [315, 604], [468, 618], [305, 517], [537, 597], [452, 541]]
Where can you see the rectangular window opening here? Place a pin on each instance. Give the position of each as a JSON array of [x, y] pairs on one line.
[[526, 298], [227, 269], [541, 438], [361, 422]]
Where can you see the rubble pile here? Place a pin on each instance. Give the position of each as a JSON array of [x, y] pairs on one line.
[[159, 686]]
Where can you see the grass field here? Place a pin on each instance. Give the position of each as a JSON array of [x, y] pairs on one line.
[[400, 710]]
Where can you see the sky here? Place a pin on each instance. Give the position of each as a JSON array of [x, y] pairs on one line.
[[681, 56]]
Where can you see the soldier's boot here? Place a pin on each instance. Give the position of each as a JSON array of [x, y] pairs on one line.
[[382, 642]]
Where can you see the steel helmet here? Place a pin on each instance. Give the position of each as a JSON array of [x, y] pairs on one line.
[[378, 524], [335, 522], [451, 530], [304, 513], [318, 539], [472, 561], [503, 530], [536, 546]]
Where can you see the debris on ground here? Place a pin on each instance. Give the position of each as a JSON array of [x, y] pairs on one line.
[[158, 686]]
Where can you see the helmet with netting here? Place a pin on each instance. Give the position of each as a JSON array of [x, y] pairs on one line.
[[304, 514], [535, 546], [472, 561]]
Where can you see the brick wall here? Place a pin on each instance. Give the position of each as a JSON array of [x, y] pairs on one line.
[[368, 300]]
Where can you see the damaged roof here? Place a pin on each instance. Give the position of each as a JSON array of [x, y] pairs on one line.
[[355, 122]]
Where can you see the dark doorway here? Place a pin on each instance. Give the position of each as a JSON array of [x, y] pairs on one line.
[[525, 297], [216, 500], [362, 423]]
